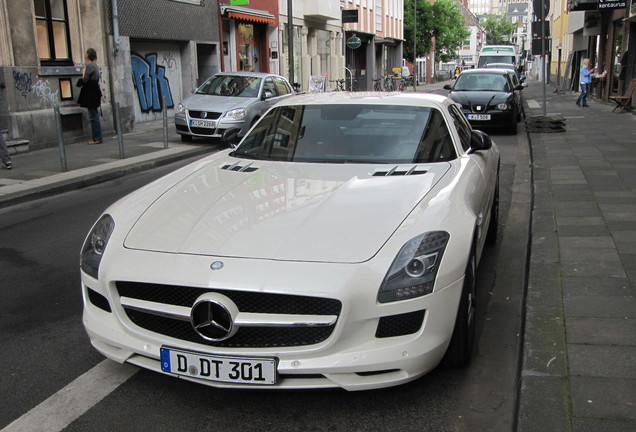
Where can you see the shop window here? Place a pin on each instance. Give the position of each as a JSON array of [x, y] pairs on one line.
[[51, 23]]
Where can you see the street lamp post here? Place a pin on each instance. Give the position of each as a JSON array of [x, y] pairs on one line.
[[414, 46]]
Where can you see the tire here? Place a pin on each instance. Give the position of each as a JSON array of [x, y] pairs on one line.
[[493, 226], [460, 349], [186, 138]]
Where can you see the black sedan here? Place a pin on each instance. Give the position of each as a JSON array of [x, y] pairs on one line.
[[487, 98]]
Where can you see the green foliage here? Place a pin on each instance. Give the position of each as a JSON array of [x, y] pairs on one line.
[[442, 20], [498, 30]]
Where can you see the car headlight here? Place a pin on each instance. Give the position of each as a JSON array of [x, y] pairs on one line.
[[503, 106], [415, 268], [236, 114], [95, 245], [181, 109]]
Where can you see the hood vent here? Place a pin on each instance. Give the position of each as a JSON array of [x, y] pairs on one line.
[[240, 168], [395, 171]]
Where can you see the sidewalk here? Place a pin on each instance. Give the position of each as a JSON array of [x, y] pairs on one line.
[[39, 173], [579, 362]]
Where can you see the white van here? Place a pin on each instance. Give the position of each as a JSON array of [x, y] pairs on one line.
[[498, 54]]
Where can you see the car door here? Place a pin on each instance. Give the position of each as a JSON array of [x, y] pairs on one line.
[[479, 171]]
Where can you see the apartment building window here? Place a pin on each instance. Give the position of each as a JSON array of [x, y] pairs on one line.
[[51, 22], [378, 15]]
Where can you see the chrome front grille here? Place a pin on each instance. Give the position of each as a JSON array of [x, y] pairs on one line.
[[208, 115], [169, 316]]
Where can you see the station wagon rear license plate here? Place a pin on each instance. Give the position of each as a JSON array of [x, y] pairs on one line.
[[244, 370], [478, 116], [203, 123]]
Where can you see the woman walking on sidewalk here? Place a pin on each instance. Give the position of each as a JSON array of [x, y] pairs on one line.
[[585, 79], [91, 95]]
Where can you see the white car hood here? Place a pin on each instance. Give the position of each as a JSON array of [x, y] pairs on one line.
[[282, 211], [201, 102]]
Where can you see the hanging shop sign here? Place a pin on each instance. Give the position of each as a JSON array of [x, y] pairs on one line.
[[354, 42]]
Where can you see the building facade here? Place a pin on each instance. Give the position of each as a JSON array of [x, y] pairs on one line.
[[605, 32], [42, 46], [151, 54], [380, 28]]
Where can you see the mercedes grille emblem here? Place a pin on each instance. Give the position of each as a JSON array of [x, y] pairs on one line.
[[212, 320], [204, 114]]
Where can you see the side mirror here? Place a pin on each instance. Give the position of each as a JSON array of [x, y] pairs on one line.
[[267, 94], [231, 137], [522, 78], [521, 87], [479, 141], [448, 87]]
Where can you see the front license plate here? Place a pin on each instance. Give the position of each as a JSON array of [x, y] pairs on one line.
[[245, 370], [203, 123], [478, 116]]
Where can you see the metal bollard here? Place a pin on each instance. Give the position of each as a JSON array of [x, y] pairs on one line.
[[165, 123], [120, 137], [60, 136]]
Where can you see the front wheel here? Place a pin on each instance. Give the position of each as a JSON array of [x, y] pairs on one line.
[[493, 226], [460, 350]]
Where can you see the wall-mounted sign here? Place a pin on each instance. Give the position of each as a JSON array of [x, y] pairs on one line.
[[354, 42], [239, 2], [592, 24], [349, 16], [611, 4]]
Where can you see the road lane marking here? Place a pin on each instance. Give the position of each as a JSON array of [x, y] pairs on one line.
[[533, 104], [68, 404]]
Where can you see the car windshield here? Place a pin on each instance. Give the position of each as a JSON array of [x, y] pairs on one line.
[[482, 82], [350, 133], [485, 59], [231, 85], [500, 66]]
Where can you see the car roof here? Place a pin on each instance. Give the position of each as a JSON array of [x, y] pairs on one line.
[[370, 98], [486, 70], [247, 74]]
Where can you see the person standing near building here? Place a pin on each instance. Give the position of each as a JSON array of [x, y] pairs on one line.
[[4, 153], [90, 95], [585, 79]]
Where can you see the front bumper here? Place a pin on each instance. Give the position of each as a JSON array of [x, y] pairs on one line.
[[352, 357], [182, 125], [498, 119]]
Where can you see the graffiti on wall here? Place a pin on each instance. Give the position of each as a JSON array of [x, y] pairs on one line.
[[150, 82], [22, 82], [170, 61], [44, 92]]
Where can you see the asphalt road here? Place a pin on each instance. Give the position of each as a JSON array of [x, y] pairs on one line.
[[45, 349]]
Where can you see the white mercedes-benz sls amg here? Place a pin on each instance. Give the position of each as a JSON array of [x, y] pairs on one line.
[[335, 246]]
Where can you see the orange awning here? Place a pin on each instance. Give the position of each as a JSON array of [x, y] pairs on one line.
[[254, 18]]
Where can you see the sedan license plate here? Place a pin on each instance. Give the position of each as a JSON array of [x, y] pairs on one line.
[[203, 123], [244, 370], [478, 116]]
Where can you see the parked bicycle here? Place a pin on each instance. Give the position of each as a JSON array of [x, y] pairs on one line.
[[340, 84], [345, 85]]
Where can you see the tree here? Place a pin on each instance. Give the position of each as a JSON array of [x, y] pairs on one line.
[[441, 20], [498, 30]]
